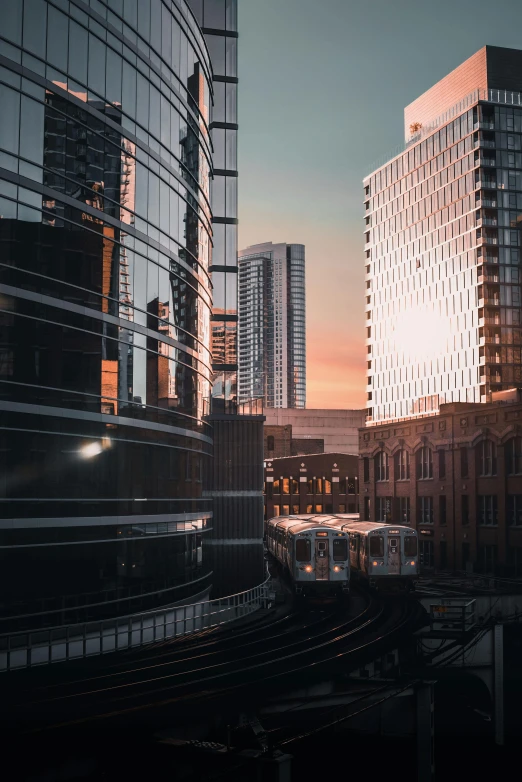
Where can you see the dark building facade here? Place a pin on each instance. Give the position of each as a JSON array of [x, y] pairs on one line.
[[315, 483], [236, 479], [456, 477], [105, 304]]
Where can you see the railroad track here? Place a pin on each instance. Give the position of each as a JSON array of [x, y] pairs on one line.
[[179, 678]]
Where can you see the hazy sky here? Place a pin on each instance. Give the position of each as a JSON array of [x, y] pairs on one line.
[[322, 89]]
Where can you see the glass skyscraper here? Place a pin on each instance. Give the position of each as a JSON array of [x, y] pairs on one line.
[[443, 244], [105, 304], [218, 20], [272, 324]]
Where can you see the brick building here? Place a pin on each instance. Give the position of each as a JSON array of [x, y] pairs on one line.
[[455, 476], [315, 483]]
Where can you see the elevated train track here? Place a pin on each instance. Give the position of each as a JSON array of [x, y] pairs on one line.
[[174, 680]]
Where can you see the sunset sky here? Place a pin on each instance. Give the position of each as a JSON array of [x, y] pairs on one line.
[[322, 89]]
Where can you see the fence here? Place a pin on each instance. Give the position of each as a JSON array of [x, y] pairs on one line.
[[57, 644]]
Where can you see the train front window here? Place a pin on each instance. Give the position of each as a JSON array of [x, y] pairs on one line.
[[410, 546], [376, 546], [340, 549], [302, 550]]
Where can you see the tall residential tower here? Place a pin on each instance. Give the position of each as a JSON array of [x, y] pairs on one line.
[[443, 244], [272, 337]]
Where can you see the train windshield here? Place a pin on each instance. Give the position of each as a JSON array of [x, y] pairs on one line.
[[376, 546], [340, 549], [302, 550], [410, 546]]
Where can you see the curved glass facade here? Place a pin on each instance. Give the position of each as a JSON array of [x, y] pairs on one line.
[[105, 301]]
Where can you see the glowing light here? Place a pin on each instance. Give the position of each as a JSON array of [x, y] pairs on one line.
[[95, 448], [421, 333], [412, 562], [337, 569], [375, 563], [308, 568], [91, 450]]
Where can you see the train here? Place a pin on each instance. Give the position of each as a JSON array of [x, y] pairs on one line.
[[382, 556], [315, 555]]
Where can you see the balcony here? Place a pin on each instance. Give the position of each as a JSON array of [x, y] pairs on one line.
[[486, 184], [486, 125], [482, 160], [487, 239], [482, 361]]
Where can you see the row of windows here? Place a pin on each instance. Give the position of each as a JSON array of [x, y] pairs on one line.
[[87, 269], [417, 155], [114, 79], [311, 507], [70, 469], [313, 486], [485, 452], [104, 170], [397, 510]]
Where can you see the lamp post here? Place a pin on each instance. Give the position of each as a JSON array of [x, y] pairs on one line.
[[356, 481]]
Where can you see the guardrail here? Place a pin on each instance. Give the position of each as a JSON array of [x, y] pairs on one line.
[[72, 642], [455, 613]]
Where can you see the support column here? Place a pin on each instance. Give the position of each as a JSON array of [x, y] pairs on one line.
[[498, 682], [424, 694]]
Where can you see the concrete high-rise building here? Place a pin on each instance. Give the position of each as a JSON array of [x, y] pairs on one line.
[[443, 246], [272, 324]]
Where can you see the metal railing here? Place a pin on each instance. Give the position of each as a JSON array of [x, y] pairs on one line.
[[454, 613], [72, 642]]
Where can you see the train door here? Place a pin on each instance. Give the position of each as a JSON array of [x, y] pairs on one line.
[[394, 555], [322, 567]]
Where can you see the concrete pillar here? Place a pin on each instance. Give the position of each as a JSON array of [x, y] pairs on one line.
[[424, 692]]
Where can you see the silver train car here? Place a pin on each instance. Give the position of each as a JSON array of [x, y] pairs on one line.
[[384, 556], [314, 553]]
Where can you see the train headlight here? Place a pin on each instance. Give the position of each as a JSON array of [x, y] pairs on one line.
[[308, 568], [412, 562], [337, 569], [375, 563]]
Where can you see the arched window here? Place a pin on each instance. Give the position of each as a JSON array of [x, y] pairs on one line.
[[270, 443], [424, 463], [514, 456], [402, 465], [382, 470], [487, 457]]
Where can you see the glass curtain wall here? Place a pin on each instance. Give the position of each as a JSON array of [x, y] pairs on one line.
[[105, 302], [218, 19]]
